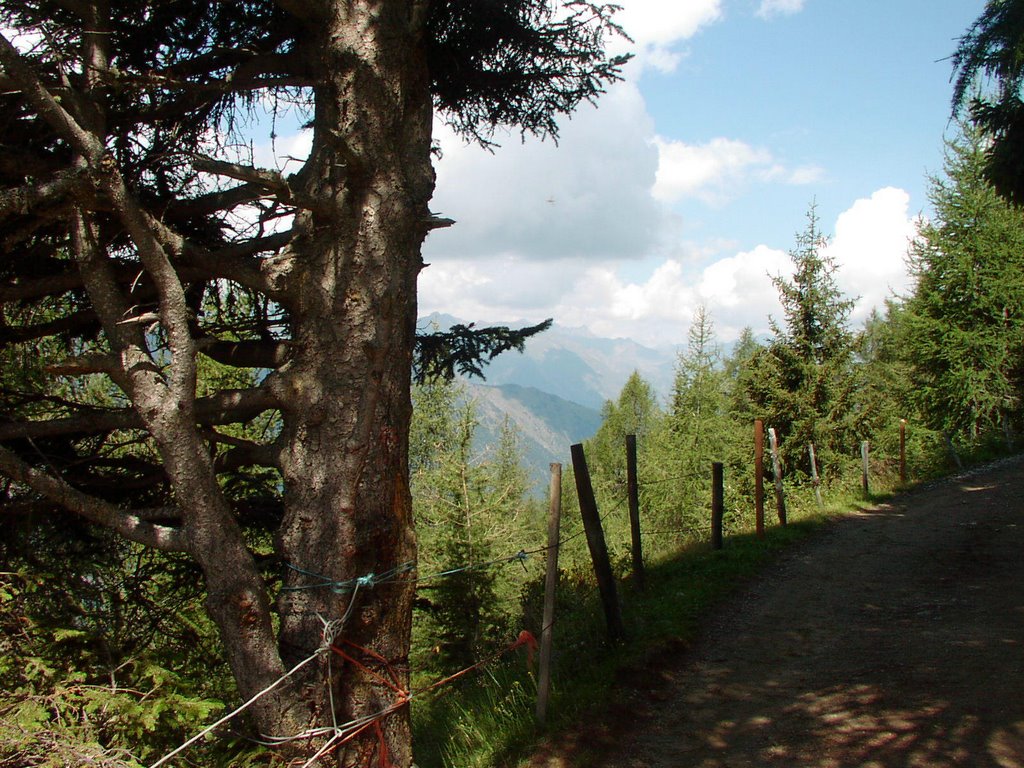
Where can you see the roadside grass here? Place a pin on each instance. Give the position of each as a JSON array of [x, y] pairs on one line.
[[488, 719]]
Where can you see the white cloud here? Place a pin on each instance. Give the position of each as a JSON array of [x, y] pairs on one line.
[[769, 8], [656, 26], [285, 153], [869, 248], [499, 289], [655, 310], [715, 171], [656, 307], [589, 196], [804, 175]]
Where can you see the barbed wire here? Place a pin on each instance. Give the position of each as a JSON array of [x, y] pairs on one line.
[[320, 581], [347, 585], [686, 531], [342, 733]]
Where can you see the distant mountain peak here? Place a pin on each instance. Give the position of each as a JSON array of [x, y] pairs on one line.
[[572, 362]]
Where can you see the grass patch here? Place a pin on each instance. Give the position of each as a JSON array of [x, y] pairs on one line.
[[488, 720]]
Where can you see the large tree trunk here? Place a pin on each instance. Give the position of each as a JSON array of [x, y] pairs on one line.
[[346, 392]]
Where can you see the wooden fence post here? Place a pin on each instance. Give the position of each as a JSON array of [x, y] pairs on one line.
[[759, 477], [596, 544], [864, 453], [717, 503], [903, 451], [780, 493], [815, 481], [550, 590], [633, 492]]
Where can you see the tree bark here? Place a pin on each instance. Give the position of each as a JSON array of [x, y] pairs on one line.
[[346, 391]]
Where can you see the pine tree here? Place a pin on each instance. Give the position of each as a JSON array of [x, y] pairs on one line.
[[989, 72], [635, 412], [739, 373], [885, 392], [130, 197], [803, 381], [467, 505], [696, 431], [697, 391], [966, 315]]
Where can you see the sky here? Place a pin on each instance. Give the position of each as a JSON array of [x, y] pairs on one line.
[[689, 180]]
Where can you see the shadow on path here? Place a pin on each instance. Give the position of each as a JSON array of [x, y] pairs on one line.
[[893, 640]]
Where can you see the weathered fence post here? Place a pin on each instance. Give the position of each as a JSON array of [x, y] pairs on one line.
[[780, 493], [864, 453], [717, 503], [759, 477], [550, 590], [815, 481], [633, 492], [596, 544], [903, 451]]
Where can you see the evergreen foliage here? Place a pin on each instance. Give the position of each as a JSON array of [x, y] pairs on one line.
[[635, 412], [886, 393], [989, 67], [236, 343], [470, 511], [696, 431], [965, 319], [803, 383], [739, 374]]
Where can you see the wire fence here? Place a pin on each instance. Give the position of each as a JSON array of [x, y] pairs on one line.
[[333, 643]]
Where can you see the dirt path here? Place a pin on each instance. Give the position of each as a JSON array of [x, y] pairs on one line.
[[896, 638]]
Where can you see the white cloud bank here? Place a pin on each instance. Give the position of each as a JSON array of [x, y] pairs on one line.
[[869, 248], [588, 197]]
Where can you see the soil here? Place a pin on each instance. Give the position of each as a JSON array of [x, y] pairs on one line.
[[893, 638]]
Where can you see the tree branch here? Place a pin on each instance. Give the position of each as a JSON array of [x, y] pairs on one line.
[[129, 525], [231, 406], [231, 262], [244, 453], [22, 200], [46, 105], [213, 202], [260, 176], [75, 321], [246, 354]]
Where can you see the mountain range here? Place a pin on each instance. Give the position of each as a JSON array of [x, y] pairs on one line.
[[553, 391]]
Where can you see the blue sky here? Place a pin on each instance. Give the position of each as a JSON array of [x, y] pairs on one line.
[[859, 90], [689, 180]]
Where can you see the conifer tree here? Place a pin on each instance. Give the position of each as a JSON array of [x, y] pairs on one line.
[[697, 391], [635, 412], [989, 74], [467, 504], [965, 318], [696, 431], [738, 370], [129, 198], [803, 381]]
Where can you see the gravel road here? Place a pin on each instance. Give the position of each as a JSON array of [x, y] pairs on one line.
[[894, 638]]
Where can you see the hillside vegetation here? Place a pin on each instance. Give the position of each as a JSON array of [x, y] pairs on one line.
[[107, 654]]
